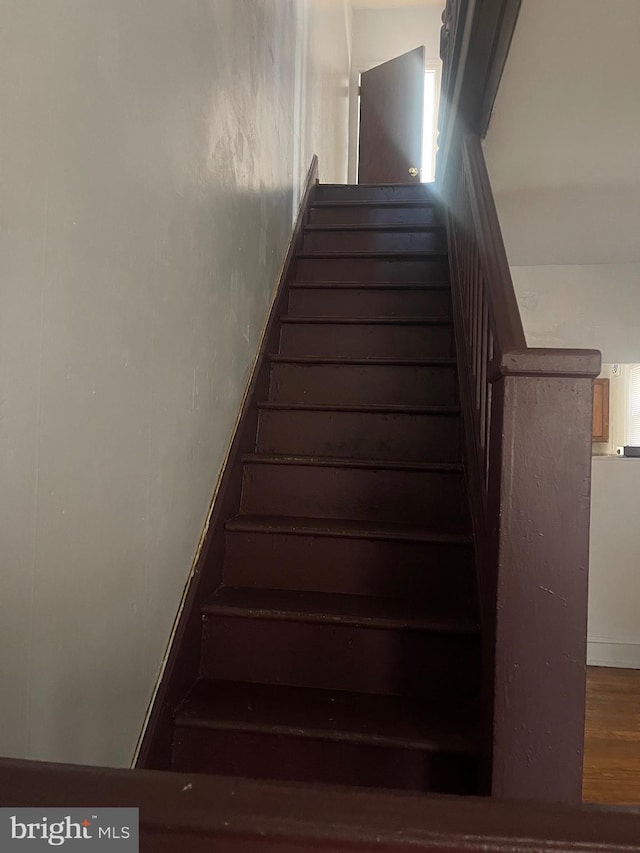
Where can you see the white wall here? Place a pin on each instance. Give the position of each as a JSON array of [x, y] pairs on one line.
[[594, 306], [147, 174], [383, 34], [614, 567], [327, 78]]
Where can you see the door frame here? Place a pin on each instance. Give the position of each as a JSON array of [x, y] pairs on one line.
[[354, 109]]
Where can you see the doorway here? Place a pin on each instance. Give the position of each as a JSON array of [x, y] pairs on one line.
[[430, 97]]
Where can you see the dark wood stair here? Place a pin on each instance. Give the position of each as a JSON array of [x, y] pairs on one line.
[[328, 736], [421, 381], [353, 557], [343, 645], [379, 299], [360, 431]]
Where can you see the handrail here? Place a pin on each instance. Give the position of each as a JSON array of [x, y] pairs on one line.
[[527, 418], [189, 813]]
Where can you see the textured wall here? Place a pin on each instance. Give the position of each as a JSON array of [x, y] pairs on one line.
[[147, 176], [593, 306], [562, 146], [322, 87]]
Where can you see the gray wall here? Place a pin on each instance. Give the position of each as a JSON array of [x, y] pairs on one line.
[[147, 159]]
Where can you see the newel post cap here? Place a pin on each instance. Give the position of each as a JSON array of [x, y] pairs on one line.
[[532, 361]]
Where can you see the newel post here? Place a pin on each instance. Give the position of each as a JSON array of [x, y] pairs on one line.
[[539, 492]]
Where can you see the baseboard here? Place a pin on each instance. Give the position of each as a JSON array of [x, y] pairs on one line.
[[601, 652], [180, 665]]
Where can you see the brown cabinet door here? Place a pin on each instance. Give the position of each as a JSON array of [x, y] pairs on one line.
[[391, 121], [600, 428]]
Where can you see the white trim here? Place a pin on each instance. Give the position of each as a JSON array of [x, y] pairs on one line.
[[603, 652]]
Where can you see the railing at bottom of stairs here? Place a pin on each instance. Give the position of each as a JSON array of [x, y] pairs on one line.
[[189, 813]]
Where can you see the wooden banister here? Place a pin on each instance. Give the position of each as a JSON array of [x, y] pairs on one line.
[[474, 44], [182, 813], [527, 415]]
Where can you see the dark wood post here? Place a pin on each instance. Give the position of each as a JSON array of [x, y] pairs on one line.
[[539, 496]]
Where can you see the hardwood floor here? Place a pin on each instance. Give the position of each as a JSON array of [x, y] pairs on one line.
[[612, 737]]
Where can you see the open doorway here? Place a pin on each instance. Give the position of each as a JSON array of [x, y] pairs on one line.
[[382, 30], [396, 122]]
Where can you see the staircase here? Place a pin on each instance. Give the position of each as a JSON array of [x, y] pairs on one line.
[[343, 646]]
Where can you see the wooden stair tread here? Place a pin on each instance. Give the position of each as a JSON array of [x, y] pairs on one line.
[[382, 361], [346, 528], [402, 255], [373, 409], [426, 188], [337, 608], [370, 285], [380, 202], [333, 462], [369, 321], [355, 718], [368, 227]]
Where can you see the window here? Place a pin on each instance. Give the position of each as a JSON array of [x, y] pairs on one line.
[[622, 410], [633, 412]]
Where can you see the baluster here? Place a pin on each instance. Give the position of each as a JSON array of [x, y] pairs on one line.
[[476, 326], [482, 378], [478, 323], [487, 415], [472, 319]]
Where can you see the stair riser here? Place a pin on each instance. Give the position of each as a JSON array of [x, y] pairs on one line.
[[375, 241], [331, 340], [287, 757], [373, 192], [315, 491], [425, 571], [372, 215], [360, 435], [423, 271], [363, 302], [361, 384], [345, 657]]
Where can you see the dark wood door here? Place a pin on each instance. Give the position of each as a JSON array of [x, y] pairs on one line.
[[391, 121]]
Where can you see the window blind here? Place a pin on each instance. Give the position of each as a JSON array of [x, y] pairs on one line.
[[633, 424]]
